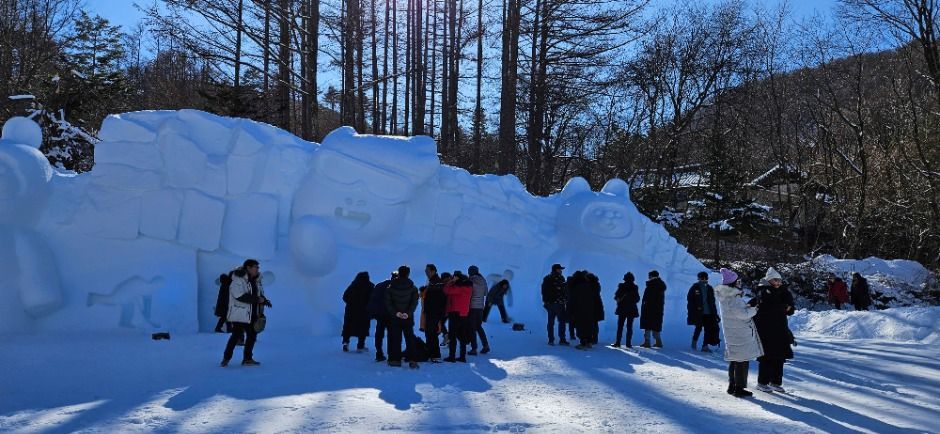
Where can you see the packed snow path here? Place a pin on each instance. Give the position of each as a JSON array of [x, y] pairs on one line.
[[128, 383]]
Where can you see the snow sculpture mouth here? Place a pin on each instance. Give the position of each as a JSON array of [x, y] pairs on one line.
[[352, 218]]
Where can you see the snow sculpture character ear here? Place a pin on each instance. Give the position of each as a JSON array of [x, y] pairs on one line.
[[22, 131], [574, 186], [617, 187]]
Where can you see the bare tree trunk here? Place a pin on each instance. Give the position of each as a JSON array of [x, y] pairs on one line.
[[433, 70], [360, 89], [375, 71], [237, 91], [506, 160], [267, 61], [478, 111], [385, 128], [395, 69], [284, 75], [417, 123], [408, 66]]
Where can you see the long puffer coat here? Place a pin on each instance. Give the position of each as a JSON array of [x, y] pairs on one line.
[[654, 300], [776, 304], [356, 319], [742, 343]]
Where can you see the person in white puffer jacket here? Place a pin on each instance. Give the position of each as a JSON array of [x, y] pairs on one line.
[[742, 343]]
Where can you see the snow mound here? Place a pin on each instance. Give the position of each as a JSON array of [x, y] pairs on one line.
[[908, 324], [911, 272], [178, 197]]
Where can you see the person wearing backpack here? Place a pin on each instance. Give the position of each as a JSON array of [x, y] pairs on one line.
[[245, 304], [221, 302]]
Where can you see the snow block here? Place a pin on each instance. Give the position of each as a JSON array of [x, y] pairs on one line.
[[244, 141], [185, 162], [144, 156], [242, 172], [110, 213], [160, 214], [121, 177], [214, 182], [201, 221], [250, 226], [117, 129], [212, 133]]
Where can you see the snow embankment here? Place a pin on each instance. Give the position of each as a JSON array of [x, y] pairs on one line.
[[907, 324]]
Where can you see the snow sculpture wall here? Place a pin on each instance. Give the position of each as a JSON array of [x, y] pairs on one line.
[[176, 198]]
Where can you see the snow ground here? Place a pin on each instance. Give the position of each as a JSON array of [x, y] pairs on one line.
[[129, 383]]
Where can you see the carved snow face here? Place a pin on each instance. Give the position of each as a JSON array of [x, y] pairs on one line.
[[360, 185], [606, 220]]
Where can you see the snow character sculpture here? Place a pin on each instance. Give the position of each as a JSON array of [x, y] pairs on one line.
[[30, 274]]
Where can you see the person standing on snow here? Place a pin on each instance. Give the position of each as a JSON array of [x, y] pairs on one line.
[[742, 343], [861, 297], [356, 317], [702, 313], [459, 290], [775, 305], [651, 311], [379, 313], [246, 297], [435, 304], [554, 299], [627, 296], [838, 292], [477, 303], [401, 301]]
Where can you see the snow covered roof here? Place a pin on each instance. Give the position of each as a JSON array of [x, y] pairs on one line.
[[773, 175]]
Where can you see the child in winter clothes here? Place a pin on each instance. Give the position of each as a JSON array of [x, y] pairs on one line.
[[742, 342]]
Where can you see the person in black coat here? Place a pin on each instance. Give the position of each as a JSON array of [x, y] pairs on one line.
[[554, 298], [775, 304], [356, 319], [627, 296], [651, 311], [379, 313], [594, 285], [703, 313], [435, 304], [221, 303], [583, 306], [861, 296]]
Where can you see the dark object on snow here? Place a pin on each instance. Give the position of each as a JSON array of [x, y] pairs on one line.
[[160, 335], [518, 327]]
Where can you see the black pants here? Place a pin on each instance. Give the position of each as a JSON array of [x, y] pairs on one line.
[[620, 321], [737, 375], [503, 315], [770, 371], [586, 332], [459, 331], [431, 336], [381, 324], [360, 344], [397, 328], [710, 325], [476, 329], [556, 311], [240, 329]]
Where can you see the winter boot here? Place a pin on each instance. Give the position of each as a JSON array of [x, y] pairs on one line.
[[695, 344], [224, 363], [485, 350], [705, 349], [741, 392], [563, 343], [345, 347], [551, 343], [379, 357], [731, 388], [413, 365], [251, 362], [658, 343], [394, 363], [646, 343], [450, 359], [764, 388], [472, 352]]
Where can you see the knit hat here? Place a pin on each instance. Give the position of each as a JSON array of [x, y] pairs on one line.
[[772, 274], [727, 276]]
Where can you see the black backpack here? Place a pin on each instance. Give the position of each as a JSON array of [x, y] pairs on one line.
[[221, 303]]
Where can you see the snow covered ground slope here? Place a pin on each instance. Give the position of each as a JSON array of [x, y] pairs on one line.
[[124, 382]]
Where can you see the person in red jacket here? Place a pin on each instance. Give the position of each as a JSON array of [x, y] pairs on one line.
[[458, 291], [838, 291]]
